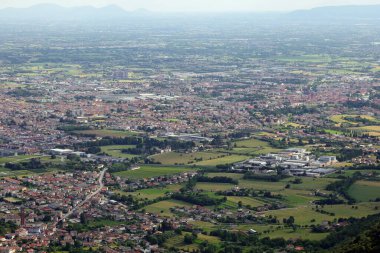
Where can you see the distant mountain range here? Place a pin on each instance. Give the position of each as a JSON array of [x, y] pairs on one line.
[[339, 12], [55, 12], [51, 11]]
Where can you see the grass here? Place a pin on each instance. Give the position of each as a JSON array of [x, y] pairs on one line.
[[341, 118], [365, 190], [12, 200], [173, 158], [304, 214], [178, 242], [213, 187], [116, 151], [245, 201], [151, 171], [163, 207], [367, 128], [19, 158], [251, 143], [152, 193], [223, 160]]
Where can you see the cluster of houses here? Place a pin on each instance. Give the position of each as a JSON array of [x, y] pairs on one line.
[[293, 161]]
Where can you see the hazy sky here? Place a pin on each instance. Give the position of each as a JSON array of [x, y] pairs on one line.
[[196, 5]]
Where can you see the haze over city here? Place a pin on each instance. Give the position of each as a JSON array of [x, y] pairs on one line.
[[197, 5]]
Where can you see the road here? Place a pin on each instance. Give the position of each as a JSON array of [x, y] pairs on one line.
[[88, 198]]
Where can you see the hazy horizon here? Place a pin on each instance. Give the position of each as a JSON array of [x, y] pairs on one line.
[[194, 5]]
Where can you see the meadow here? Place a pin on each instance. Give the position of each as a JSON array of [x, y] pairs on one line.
[[116, 151], [152, 193], [365, 190], [173, 158], [163, 207], [146, 171], [228, 159]]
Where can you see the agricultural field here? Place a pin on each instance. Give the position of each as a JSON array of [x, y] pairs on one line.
[[173, 158], [228, 159], [163, 207], [365, 190], [252, 147], [342, 118], [12, 200], [371, 130], [178, 242], [116, 151], [152, 193], [305, 214], [107, 133], [15, 159], [147, 171], [214, 187]]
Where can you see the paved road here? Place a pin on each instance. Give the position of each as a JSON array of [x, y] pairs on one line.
[[88, 198]]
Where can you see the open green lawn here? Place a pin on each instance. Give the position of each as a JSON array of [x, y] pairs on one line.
[[146, 171], [304, 214], [173, 158], [251, 143], [178, 242], [272, 231], [153, 193], [213, 187], [365, 190], [163, 207], [19, 158], [245, 201], [12, 200], [115, 151], [229, 159], [14, 173]]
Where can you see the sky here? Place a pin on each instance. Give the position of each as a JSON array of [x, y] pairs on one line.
[[196, 5]]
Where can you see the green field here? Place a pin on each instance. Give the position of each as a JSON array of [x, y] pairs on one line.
[[177, 242], [304, 214], [365, 190], [12, 200], [152, 193], [229, 159], [252, 147], [163, 207], [213, 187], [19, 158], [173, 158], [115, 151], [146, 171], [15, 173]]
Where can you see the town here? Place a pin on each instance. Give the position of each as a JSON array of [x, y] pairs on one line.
[[181, 134]]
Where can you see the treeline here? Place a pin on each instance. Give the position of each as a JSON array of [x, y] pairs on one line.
[[7, 227], [135, 204], [269, 178], [226, 180], [32, 164], [343, 185], [198, 199]]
